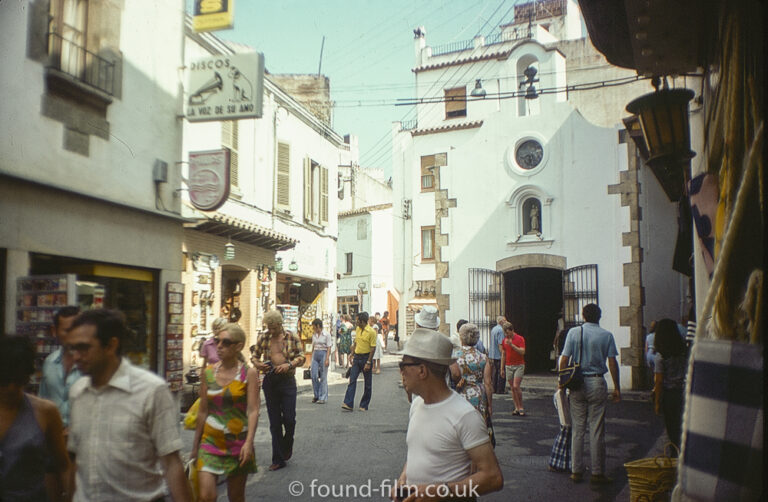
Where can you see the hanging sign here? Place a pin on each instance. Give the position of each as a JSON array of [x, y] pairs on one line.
[[225, 87], [212, 15], [208, 179]]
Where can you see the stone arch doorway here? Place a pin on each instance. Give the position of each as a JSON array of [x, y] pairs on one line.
[[533, 298]]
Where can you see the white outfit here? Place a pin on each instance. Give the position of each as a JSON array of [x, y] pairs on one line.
[[118, 434], [379, 346], [439, 436]]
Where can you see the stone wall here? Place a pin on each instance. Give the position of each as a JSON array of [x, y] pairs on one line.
[[312, 91]]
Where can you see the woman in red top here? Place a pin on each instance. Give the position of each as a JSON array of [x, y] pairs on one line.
[[513, 347]]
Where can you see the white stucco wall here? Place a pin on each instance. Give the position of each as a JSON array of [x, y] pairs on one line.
[[283, 120], [143, 121]]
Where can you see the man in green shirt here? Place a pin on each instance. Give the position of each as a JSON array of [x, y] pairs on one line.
[[362, 355]]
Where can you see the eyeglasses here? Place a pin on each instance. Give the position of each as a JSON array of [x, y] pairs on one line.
[[403, 364], [78, 347], [224, 341]]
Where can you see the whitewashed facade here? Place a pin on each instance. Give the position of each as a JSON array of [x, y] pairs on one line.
[[365, 252], [90, 104], [468, 174], [280, 215]]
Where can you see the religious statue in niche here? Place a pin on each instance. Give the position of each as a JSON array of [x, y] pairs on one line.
[[532, 217]]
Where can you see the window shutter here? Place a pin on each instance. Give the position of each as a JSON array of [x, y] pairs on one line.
[[456, 102], [307, 189], [323, 195], [283, 176], [229, 139]]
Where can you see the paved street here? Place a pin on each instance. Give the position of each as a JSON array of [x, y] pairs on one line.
[[338, 448]]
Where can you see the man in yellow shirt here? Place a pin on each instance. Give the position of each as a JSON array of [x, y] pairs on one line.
[[362, 355]]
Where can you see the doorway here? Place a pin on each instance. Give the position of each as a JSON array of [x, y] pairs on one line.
[[533, 298]]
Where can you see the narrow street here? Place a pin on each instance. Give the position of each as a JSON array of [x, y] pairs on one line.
[[339, 452]]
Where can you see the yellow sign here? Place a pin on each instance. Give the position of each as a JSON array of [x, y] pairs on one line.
[[212, 15]]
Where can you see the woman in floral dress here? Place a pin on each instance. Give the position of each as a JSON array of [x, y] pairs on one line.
[[227, 419], [472, 373], [345, 341]]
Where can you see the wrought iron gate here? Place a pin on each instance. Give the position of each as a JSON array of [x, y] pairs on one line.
[[579, 289], [485, 300]]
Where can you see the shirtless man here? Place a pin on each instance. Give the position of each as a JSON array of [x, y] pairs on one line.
[[277, 353]]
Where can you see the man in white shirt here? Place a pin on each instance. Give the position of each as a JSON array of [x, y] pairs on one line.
[[124, 424], [446, 436]]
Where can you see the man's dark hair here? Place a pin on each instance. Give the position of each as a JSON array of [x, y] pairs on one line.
[[362, 316], [65, 312], [591, 312], [17, 360], [461, 323], [317, 322], [667, 341], [109, 324]]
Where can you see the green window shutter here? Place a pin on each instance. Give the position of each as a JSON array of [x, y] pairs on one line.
[[283, 176], [323, 195]]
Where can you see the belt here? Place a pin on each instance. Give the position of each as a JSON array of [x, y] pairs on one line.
[[594, 375]]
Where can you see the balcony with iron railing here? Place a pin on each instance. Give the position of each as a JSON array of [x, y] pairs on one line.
[[507, 35], [81, 64]]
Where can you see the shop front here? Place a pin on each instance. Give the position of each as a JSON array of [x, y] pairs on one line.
[[229, 272], [301, 300], [65, 249]]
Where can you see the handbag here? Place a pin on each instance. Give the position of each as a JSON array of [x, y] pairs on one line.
[[571, 377], [190, 419], [307, 374]]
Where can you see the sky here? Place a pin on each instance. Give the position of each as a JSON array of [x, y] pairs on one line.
[[368, 52]]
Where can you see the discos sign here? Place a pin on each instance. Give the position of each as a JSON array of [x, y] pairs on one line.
[[208, 179], [225, 87]]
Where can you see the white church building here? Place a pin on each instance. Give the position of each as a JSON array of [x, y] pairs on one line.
[[520, 192]]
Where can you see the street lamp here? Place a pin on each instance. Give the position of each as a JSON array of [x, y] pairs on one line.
[[478, 91], [229, 250], [663, 117]]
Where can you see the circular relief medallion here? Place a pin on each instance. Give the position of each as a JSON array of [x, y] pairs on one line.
[[529, 154]]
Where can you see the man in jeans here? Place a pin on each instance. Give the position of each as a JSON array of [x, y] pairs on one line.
[[362, 353], [276, 354], [498, 383], [591, 345]]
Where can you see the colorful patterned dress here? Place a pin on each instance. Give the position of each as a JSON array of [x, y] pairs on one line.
[[345, 339], [226, 427], [472, 365]]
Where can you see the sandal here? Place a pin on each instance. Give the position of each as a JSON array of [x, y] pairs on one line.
[[520, 413], [515, 413]]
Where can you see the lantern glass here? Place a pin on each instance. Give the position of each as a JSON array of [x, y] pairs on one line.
[[279, 264], [229, 251], [664, 120], [293, 266]]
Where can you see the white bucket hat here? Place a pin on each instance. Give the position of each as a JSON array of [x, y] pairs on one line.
[[430, 345], [427, 317]]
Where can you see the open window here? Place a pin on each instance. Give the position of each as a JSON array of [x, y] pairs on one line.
[[456, 102], [428, 163]]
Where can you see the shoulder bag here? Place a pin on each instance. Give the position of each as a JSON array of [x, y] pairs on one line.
[[570, 377]]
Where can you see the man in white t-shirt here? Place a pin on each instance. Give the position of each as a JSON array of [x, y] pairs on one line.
[[446, 435]]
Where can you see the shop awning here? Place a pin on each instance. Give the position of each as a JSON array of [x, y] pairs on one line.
[[243, 231]]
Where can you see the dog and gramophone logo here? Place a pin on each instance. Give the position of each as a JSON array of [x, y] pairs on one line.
[[225, 87]]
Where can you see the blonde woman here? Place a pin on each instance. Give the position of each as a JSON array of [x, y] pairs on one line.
[[227, 420]]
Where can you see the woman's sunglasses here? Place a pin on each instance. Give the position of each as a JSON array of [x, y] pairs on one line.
[[225, 341]]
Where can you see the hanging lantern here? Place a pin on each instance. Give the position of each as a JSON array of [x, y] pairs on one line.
[[229, 251], [279, 264], [293, 266], [663, 117]]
